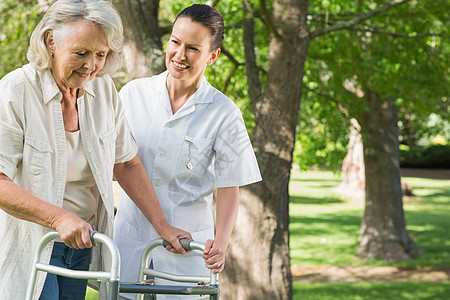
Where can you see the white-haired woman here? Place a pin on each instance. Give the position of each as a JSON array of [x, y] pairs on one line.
[[62, 138]]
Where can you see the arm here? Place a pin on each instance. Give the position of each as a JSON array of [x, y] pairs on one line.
[[134, 180], [21, 204], [226, 213]]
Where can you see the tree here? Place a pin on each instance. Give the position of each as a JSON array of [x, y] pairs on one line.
[[396, 62], [142, 51], [19, 18]]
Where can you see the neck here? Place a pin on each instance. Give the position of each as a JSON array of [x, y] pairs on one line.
[[180, 91]]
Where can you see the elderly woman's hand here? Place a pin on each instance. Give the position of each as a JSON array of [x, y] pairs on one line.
[[74, 231]]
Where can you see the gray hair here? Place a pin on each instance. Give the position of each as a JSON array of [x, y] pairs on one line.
[[65, 12]]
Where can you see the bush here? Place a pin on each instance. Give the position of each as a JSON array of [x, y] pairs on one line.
[[432, 156]]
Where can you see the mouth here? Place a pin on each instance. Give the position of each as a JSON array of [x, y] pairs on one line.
[[82, 75], [180, 65]]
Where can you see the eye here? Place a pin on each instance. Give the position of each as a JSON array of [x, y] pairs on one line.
[[80, 53], [193, 49], [101, 55], [175, 42]]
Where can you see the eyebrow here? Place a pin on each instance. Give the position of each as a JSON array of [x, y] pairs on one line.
[[196, 45]]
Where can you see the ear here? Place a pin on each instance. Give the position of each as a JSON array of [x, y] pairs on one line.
[[49, 41], [213, 56]]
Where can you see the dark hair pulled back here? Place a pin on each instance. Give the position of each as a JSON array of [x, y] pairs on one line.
[[207, 16]]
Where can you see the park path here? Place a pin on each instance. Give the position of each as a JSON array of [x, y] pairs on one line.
[[368, 273]]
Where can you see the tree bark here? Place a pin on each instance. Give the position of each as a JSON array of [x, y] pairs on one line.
[[142, 51], [383, 232], [353, 184], [258, 262]]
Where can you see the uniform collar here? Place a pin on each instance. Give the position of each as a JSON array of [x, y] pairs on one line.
[[50, 89], [202, 94]]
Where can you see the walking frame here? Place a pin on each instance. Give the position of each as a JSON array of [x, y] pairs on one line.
[[205, 285]]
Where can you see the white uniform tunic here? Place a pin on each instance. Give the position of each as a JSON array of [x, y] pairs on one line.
[[208, 135]]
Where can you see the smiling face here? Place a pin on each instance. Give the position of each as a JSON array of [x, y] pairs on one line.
[[188, 50], [79, 56]]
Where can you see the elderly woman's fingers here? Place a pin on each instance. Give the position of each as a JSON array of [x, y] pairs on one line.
[[74, 231]]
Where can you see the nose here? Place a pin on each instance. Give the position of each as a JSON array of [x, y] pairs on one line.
[[90, 63], [181, 53]]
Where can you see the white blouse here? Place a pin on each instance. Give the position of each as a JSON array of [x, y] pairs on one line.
[[33, 153]]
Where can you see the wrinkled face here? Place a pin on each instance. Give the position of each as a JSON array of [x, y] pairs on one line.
[[188, 50], [79, 56]]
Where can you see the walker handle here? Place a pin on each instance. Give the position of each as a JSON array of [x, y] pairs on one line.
[[91, 234], [184, 242]]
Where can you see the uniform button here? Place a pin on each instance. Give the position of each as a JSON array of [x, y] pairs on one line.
[[105, 195], [161, 154], [170, 124], [157, 183]]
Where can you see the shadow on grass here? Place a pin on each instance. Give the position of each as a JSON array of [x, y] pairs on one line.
[[328, 180], [309, 200], [334, 222], [373, 290]]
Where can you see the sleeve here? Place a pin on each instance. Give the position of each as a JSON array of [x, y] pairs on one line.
[[235, 161], [126, 147], [11, 130]]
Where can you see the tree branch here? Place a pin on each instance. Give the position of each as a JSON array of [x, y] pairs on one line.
[[356, 20], [268, 19], [212, 3], [400, 35], [253, 80], [236, 66], [225, 52]]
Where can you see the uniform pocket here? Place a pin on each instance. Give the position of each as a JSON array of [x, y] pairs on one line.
[[196, 155], [36, 154]]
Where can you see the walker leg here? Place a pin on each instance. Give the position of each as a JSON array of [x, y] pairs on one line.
[[114, 290]]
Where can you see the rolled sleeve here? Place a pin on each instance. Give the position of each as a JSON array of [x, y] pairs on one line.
[[235, 162], [126, 147], [11, 132]]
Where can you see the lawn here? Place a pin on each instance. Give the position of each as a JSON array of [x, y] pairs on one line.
[[324, 227], [324, 230]]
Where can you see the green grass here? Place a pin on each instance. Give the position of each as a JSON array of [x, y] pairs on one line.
[[91, 294], [372, 291], [324, 227]]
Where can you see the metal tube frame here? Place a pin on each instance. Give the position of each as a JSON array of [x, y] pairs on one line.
[[112, 276], [212, 289]]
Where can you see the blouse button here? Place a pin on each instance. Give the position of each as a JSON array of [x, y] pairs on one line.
[[157, 183], [170, 124], [105, 195], [161, 154]]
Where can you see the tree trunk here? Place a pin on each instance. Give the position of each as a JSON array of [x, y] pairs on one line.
[[383, 232], [258, 262], [142, 51], [353, 184]]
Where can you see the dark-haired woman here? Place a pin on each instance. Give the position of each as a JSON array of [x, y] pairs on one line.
[[190, 137]]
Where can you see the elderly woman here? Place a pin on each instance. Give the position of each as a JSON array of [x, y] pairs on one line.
[[62, 138]]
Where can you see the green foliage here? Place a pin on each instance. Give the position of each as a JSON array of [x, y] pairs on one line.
[[402, 54], [431, 156], [19, 18]]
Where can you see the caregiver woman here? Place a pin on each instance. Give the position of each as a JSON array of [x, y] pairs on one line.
[[190, 137], [62, 137]]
